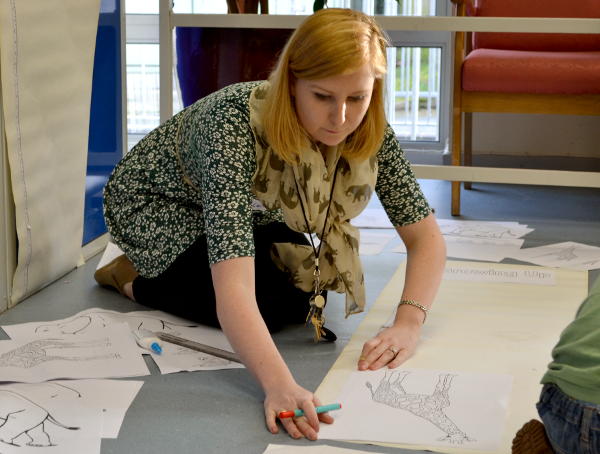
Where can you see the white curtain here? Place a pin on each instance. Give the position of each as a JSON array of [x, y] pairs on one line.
[[46, 62]]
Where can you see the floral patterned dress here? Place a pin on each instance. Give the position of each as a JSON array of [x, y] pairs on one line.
[[193, 176]]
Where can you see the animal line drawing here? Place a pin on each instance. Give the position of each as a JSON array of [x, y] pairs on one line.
[[101, 319], [35, 352], [478, 231], [24, 421], [591, 263], [430, 407], [566, 254]]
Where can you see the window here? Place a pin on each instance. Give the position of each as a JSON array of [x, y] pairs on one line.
[[416, 85], [142, 68], [413, 94], [142, 88], [418, 99], [141, 6]]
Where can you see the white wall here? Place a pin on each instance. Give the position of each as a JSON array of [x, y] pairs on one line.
[[536, 135]]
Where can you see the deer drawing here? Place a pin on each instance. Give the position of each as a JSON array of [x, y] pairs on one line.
[[427, 406]]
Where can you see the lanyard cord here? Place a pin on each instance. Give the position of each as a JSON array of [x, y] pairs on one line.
[[317, 251]]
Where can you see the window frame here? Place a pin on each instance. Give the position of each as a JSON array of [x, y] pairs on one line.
[[442, 40], [96, 245], [430, 151], [140, 29]]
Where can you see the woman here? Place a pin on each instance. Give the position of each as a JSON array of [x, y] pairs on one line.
[[215, 198]]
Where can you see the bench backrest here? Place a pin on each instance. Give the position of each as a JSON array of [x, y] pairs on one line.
[[559, 42]]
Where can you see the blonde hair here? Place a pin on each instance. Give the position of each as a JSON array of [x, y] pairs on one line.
[[331, 42]]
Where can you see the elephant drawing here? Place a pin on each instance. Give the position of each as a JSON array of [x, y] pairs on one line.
[[24, 421], [101, 319]]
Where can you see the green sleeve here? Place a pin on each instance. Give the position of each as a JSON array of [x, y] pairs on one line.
[[220, 162], [575, 365], [397, 188]]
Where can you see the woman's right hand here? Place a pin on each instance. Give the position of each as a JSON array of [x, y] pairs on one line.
[[290, 397], [245, 329]]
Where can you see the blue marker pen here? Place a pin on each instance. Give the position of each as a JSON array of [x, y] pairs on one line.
[[296, 413], [148, 340]]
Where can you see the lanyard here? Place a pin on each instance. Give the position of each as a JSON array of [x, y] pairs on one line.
[[317, 301]]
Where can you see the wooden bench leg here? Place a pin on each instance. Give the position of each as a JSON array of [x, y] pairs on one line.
[[455, 207], [468, 143], [456, 158]]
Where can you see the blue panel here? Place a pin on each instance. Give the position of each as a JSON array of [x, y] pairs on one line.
[[105, 146]]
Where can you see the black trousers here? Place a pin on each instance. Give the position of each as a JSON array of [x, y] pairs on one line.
[[186, 289]]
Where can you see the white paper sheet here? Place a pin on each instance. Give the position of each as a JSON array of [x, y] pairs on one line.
[[109, 352], [174, 358], [569, 254], [479, 327], [373, 243], [480, 240], [111, 398], [114, 397], [483, 229], [111, 252], [178, 359], [501, 273], [96, 318], [35, 422], [485, 249], [424, 407], [205, 335]]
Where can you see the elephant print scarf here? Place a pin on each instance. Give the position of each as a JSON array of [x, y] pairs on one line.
[[274, 185]]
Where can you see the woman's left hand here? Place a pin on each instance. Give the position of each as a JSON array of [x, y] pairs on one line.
[[391, 347]]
